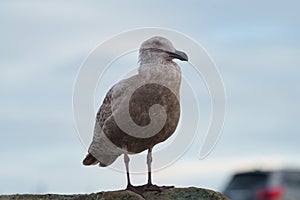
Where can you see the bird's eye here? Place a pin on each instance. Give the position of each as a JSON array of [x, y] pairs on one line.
[[157, 43]]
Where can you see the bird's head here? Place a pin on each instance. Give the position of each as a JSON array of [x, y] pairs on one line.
[[161, 49]]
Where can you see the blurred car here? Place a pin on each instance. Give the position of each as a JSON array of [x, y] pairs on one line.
[[264, 185]]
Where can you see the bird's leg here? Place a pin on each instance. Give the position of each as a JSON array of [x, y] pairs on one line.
[[137, 189], [126, 160], [149, 161], [149, 186]]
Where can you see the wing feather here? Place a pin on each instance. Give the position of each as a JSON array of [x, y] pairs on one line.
[[105, 110]]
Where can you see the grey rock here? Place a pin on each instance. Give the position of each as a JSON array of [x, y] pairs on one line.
[[170, 194]]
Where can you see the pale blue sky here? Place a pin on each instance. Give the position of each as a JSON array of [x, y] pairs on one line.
[[255, 44]]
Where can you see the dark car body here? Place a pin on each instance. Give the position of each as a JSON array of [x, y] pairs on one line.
[[264, 185]]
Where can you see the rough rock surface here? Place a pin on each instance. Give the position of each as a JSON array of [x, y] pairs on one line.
[[172, 194]]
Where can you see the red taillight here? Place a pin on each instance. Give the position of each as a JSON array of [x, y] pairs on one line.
[[269, 193]]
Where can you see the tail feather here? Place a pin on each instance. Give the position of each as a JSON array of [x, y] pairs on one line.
[[90, 160]]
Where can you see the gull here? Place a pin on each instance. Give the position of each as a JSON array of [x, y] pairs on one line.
[[141, 111]]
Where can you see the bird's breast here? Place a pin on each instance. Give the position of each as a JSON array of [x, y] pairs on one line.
[[140, 104]]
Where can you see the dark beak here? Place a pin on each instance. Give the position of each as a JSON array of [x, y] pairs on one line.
[[179, 55]]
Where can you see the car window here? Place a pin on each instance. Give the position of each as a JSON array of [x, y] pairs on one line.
[[292, 179], [248, 181]]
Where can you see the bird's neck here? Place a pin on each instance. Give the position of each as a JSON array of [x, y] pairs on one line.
[[166, 73]]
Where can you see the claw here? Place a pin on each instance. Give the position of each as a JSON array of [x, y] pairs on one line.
[[147, 187], [136, 189], [151, 187]]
